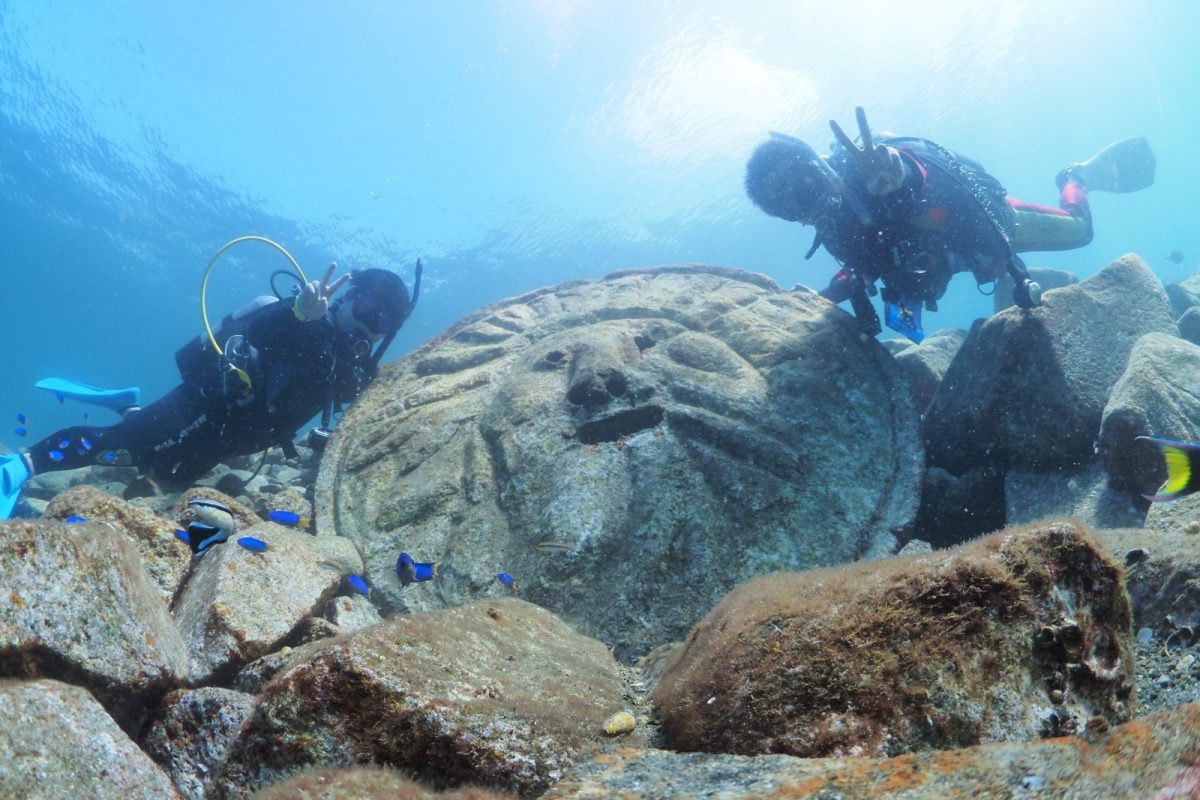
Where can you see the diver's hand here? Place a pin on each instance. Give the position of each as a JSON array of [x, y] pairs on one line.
[[313, 301], [880, 165]]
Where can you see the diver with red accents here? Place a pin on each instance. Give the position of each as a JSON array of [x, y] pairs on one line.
[[268, 369], [911, 213]]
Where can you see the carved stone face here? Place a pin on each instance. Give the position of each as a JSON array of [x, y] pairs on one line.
[[628, 449]]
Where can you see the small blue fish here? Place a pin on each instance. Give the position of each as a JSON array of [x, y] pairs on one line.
[[507, 580], [200, 537], [252, 544], [60, 397], [289, 518], [81, 451], [63, 444], [359, 584], [55, 455], [20, 431], [87, 444], [410, 571], [75, 518], [21, 418], [108, 457]]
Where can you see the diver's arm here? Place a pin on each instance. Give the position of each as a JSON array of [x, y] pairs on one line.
[[313, 300]]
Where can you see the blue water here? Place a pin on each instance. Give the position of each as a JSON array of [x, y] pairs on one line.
[[513, 145]]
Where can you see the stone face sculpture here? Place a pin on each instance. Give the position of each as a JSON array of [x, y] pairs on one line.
[[627, 449]]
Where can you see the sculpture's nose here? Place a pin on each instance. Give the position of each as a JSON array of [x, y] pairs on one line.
[[598, 373]]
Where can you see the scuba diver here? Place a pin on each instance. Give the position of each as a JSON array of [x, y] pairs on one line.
[[283, 362], [913, 213]]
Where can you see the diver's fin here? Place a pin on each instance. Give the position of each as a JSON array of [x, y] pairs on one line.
[[1183, 469], [1122, 167], [119, 400], [13, 474]]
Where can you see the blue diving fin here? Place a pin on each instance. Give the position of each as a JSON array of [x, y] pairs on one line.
[[13, 474], [121, 401]]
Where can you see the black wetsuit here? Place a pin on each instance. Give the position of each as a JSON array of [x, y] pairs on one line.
[[949, 216], [297, 369]]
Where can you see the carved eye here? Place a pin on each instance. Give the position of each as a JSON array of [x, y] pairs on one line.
[[552, 360]]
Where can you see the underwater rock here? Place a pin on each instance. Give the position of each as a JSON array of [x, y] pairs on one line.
[[367, 783], [1083, 493], [1154, 757], [1189, 325], [1046, 278], [1028, 387], [955, 508], [191, 734], [1155, 396], [239, 605], [164, 558], [78, 605], [500, 693], [628, 449], [351, 613], [1164, 586], [924, 365], [960, 647], [1182, 298], [57, 741]]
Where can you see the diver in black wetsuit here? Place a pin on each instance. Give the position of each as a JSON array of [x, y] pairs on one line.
[[285, 361], [911, 213]]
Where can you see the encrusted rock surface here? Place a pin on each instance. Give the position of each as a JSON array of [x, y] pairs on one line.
[[1162, 577], [1018, 635], [239, 604], [1028, 387], [629, 449], [191, 734], [366, 783], [77, 604], [1153, 758], [165, 558], [496, 693], [57, 742]]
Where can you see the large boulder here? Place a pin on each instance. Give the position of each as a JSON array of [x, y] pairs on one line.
[[494, 693], [1163, 577], [1155, 396], [154, 537], [79, 606], [192, 732], [1018, 635], [239, 605], [56, 741], [1028, 387], [629, 449]]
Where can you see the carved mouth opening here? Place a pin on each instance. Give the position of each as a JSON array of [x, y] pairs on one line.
[[622, 423]]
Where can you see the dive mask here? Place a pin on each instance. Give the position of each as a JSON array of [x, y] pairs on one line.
[[377, 316]]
